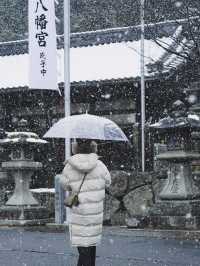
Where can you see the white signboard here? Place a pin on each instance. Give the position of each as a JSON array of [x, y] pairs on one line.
[[42, 45]]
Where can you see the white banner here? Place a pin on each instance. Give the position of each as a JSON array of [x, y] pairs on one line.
[[42, 45]]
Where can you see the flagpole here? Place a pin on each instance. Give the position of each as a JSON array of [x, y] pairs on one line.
[[142, 86], [67, 99], [67, 68]]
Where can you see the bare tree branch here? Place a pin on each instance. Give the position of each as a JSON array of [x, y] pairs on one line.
[[168, 49]]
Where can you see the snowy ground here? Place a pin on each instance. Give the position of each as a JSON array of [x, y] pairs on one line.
[[26, 248]]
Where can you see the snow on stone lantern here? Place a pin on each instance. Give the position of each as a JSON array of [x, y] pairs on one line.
[[179, 195], [21, 166]]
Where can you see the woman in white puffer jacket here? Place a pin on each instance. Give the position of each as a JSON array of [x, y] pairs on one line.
[[86, 219]]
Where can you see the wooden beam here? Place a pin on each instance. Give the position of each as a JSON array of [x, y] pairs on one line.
[[121, 104]]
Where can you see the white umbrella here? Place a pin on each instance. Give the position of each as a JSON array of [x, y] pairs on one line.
[[86, 126]]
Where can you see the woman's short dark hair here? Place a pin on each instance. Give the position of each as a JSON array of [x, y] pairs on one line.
[[85, 146]]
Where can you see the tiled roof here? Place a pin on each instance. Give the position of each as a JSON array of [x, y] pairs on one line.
[[113, 35]]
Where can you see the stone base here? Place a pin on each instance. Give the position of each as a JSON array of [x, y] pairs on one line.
[[175, 215], [23, 215]]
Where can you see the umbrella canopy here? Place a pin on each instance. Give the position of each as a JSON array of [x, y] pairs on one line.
[[86, 126]]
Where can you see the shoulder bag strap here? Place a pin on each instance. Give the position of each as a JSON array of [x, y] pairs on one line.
[[82, 183]]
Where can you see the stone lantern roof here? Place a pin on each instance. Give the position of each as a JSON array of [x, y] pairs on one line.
[[180, 122], [22, 138], [178, 119]]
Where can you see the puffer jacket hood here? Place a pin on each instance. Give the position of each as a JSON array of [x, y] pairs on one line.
[[84, 162]]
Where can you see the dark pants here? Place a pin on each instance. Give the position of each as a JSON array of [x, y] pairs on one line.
[[87, 256]]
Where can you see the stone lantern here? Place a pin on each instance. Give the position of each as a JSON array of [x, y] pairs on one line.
[[179, 195], [22, 145]]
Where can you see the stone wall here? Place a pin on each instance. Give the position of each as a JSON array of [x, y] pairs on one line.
[[130, 197]]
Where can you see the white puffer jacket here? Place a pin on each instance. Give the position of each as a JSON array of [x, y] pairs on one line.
[[86, 219]]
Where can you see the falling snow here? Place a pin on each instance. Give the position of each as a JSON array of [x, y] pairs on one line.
[[134, 70]]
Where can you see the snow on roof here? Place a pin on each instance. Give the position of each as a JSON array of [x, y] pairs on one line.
[[20, 133], [92, 63]]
